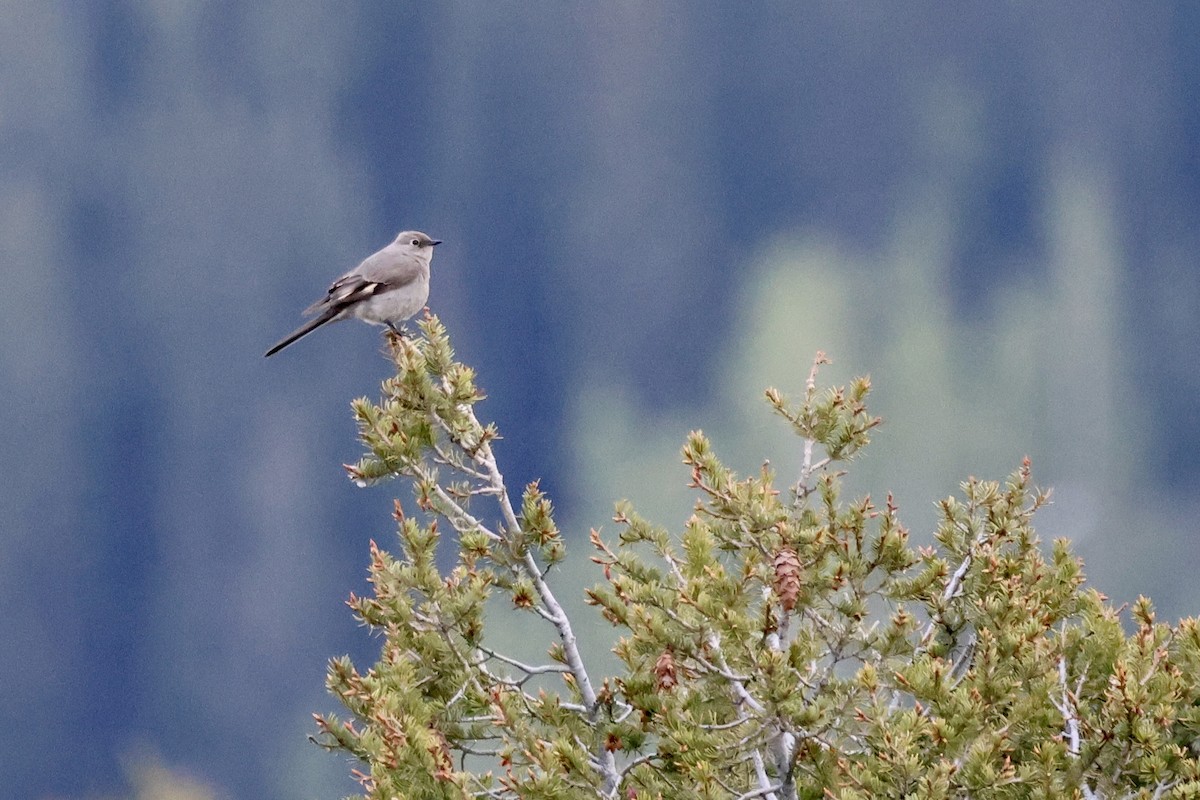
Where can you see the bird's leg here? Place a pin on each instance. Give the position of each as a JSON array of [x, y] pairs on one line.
[[393, 336]]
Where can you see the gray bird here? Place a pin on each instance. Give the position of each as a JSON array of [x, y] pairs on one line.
[[385, 289]]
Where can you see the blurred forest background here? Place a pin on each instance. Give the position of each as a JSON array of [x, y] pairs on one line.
[[651, 211]]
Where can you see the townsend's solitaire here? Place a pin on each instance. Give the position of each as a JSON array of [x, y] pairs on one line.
[[385, 289]]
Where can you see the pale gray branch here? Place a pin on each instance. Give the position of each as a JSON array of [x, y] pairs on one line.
[[526, 668]]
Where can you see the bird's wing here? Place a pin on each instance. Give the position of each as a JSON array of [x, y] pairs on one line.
[[345, 291], [391, 269], [379, 273]]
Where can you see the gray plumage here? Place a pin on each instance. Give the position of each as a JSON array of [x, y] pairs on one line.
[[387, 288]]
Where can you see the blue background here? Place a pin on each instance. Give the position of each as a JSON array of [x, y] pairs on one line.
[[651, 212]]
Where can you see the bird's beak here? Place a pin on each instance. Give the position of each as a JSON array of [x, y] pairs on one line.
[[435, 242]]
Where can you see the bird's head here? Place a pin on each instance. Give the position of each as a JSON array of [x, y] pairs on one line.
[[417, 243]]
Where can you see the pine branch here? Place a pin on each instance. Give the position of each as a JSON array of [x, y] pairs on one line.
[[774, 648]]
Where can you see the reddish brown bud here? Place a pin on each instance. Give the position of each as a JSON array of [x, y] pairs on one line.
[[788, 577], [665, 672]]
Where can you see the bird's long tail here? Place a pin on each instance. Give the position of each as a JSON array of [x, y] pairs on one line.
[[303, 330]]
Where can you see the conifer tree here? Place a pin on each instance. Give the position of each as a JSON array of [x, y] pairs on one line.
[[786, 642]]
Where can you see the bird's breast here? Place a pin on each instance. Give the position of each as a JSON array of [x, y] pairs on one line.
[[395, 305]]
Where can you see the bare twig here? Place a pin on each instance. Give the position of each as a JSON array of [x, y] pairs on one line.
[[462, 521], [807, 468], [1067, 709], [554, 613], [528, 669], [765, 787], [952, 588]]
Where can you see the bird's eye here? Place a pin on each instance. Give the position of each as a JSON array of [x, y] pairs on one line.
[[416, 242]]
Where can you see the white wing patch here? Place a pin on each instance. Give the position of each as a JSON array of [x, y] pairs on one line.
[[351, 292]]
